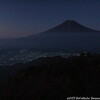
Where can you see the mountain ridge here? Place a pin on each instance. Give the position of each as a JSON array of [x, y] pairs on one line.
[[71, 26]]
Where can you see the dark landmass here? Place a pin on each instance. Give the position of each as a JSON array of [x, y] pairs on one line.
[[71, 26], [55, 78]]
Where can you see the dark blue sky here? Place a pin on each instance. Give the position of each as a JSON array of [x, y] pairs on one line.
[[25, 17]]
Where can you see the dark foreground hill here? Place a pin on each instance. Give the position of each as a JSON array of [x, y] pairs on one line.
[[55, 78]]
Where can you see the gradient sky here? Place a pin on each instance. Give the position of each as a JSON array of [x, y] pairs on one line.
[[20, 18]]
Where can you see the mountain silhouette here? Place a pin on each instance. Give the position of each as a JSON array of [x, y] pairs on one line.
[[69, 35], [71, 26]]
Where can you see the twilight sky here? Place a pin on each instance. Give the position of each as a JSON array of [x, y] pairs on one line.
[[25, 17]]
